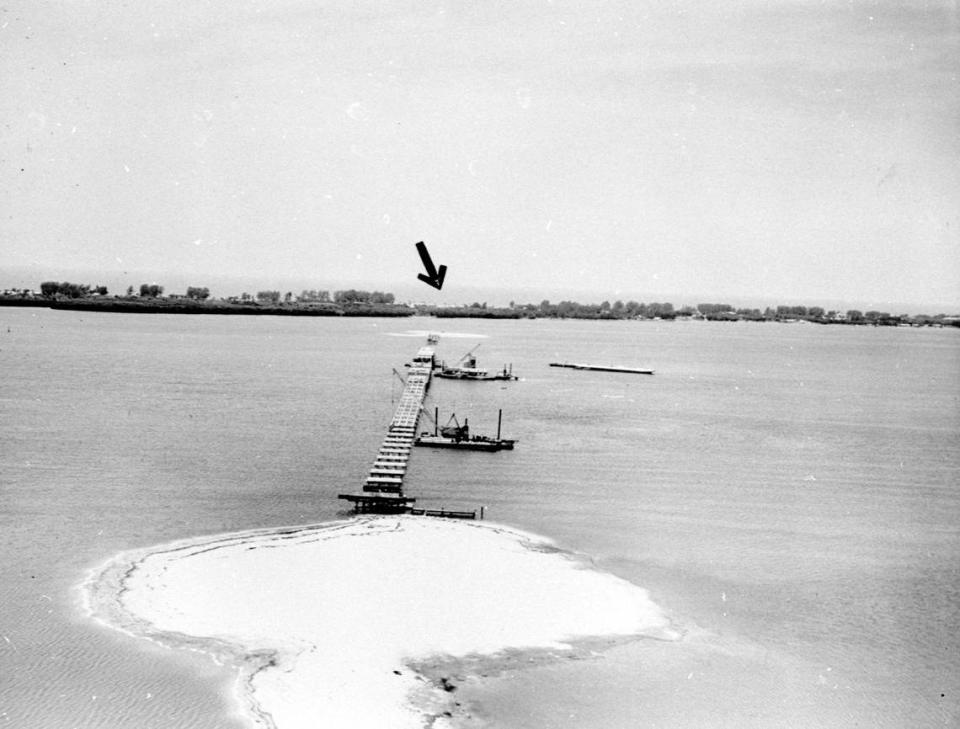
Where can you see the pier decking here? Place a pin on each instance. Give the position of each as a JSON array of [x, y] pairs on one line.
[[383, 488]]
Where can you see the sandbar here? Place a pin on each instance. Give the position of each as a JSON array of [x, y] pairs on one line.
[[332, 625]]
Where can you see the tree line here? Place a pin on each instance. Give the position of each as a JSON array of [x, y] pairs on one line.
[[313, 296], [353, 299], [69, 290], [664, 310], [604, 310], [52, 289]]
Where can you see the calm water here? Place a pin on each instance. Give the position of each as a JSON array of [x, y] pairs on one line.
[[789, 493]]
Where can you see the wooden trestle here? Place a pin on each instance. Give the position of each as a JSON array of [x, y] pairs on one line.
[[383, 488]]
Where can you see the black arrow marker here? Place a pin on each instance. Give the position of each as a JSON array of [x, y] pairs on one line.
[[433, 276]]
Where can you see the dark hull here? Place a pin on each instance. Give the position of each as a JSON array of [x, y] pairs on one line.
[[480, 378], [430, 441], [602, 368]]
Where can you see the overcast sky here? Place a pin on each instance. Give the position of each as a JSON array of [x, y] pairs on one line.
[[770, 148]]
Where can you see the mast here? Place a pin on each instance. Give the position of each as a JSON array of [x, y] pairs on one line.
[[499, 417]]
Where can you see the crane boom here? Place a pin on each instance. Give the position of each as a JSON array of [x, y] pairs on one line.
[[472, 350]]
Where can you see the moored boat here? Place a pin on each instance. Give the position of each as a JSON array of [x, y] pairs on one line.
[[458, 436], [466, 369]]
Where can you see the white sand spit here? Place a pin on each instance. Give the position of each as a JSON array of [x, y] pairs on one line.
[[325, 619]]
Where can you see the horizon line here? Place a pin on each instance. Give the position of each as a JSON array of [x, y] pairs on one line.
[[408, 292]]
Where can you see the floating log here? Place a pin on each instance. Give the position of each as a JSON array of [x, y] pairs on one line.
[[602, 368]]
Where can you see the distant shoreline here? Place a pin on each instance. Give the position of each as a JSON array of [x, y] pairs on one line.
[[189, 306], [564, 310]]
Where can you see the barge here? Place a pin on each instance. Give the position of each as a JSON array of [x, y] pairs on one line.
[[458, 437], [466, 369], [602, 368]]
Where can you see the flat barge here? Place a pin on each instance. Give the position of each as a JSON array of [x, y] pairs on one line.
[[466, 369], [458, 437], [602, 368]]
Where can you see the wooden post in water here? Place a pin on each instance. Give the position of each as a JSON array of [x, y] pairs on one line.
[[436, 414], [499, 418], [481, 513]]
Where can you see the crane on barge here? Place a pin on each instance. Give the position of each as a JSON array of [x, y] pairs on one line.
[[466, 369], [454, 435]]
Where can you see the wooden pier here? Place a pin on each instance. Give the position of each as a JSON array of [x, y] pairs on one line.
[[383, 488]]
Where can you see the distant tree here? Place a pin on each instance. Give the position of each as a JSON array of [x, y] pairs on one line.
[[714, 308], [268, 297], [854, 315], [152, 291], [129, 290], [815, 312], [380, 297], [351, 296], [791, 312], [605, 306], [662, 311], [288, 297], [198, 293], [101, 290], [562, 309], [245, 297], [64, 288]]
